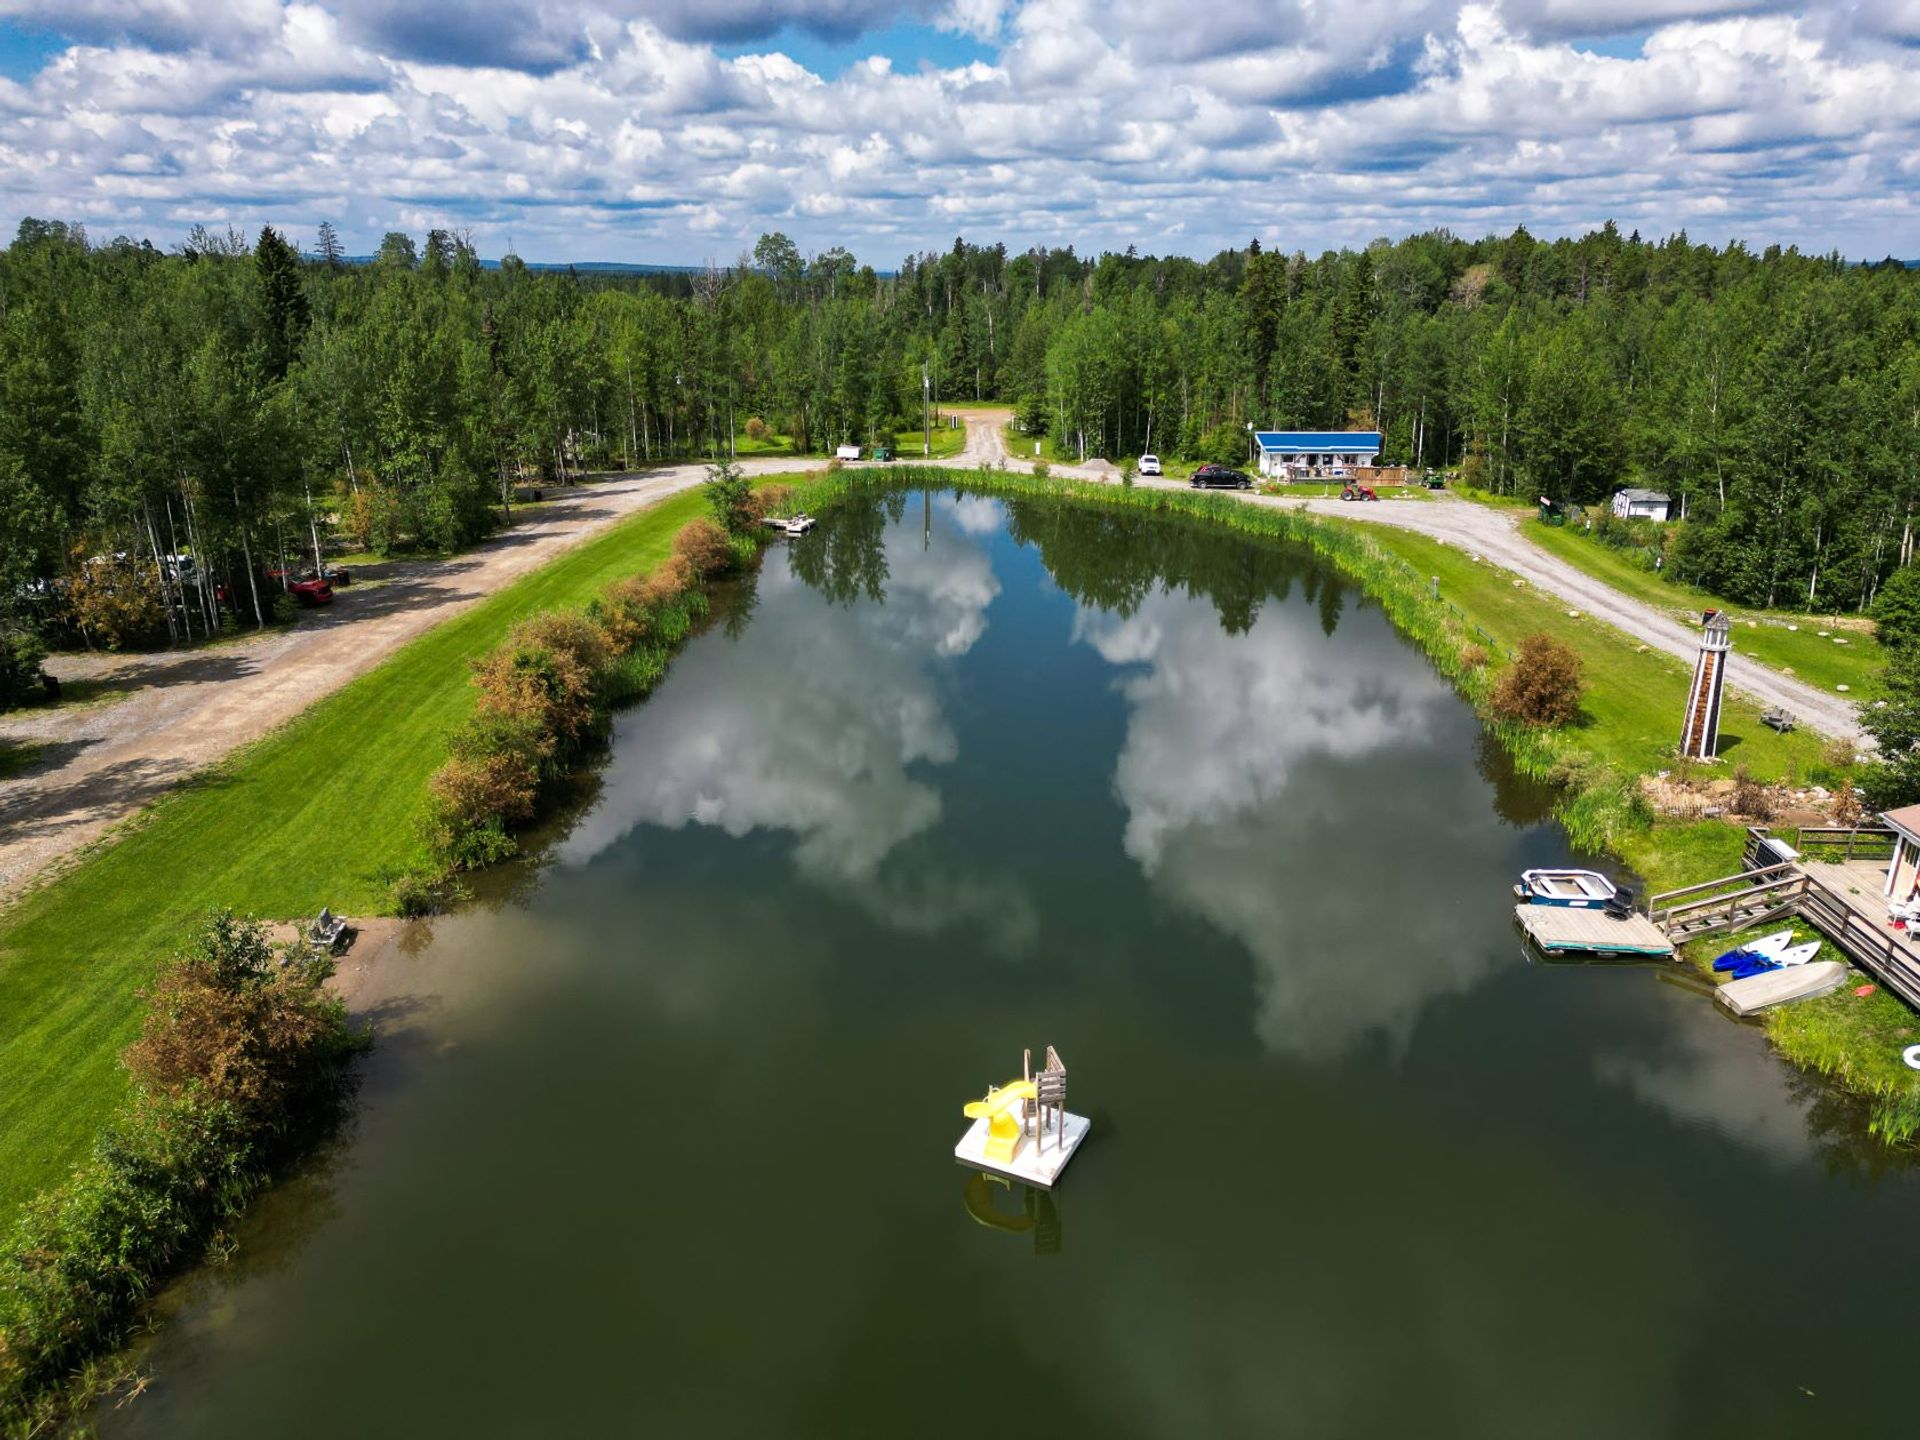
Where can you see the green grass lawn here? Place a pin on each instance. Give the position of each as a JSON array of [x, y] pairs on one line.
[[317, 813], [1761, 634], [946, 441], [745, 446], [1634, 699], [1490, 499]]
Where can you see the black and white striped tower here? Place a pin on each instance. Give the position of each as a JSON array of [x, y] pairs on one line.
[[1700, 735]]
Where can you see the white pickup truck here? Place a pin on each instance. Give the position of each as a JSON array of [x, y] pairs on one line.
[[847, 452]]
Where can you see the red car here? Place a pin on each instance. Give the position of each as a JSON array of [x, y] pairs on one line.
[[311, 592]]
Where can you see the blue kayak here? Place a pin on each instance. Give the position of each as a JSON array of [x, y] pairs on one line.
[[1767, 948]]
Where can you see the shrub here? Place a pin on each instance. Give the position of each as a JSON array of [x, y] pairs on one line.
[[1749, 796], [1473, 657], [757, 428], [228, 1023], [21, 654], [703, 545], [1847, 809], [1542, 686], [240, 1057], [1041, 470], [545, 673], [730, 497], [1896, 609], [115, 602], [1837, 754], [773, 500]]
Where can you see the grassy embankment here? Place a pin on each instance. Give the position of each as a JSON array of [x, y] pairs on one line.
[[1849, 655], [323, 811]]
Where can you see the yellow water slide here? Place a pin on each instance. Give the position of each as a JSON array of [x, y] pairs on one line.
[[1001, 1111]]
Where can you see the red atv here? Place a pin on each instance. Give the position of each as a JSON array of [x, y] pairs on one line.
[[1358, 492]]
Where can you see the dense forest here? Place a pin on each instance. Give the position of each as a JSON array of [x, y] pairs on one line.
[[245, 404]]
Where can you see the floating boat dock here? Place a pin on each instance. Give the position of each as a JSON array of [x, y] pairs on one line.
[[1562, 930], [1776, 987]]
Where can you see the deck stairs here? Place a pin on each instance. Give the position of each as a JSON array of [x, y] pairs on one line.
[[1765, 893]]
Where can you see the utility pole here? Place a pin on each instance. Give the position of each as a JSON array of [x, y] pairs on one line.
[[926, 412]]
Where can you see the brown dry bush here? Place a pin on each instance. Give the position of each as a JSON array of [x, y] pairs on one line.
[[1542, 686], [1749, 796], [773, 500], [546, 673], [704, 546], [625, 613], [1472, 657], [225, 1020], [757, 428]]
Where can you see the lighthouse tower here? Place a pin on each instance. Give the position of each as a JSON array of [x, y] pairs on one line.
[[1700, 735]]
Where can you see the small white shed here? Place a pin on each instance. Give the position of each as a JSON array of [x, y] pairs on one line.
[[1640, 505]]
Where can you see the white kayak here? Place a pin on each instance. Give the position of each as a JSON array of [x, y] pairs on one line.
[[1797, 954], [1771, 947]]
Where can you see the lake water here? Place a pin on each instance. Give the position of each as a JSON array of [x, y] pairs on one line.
[[658, 1138]]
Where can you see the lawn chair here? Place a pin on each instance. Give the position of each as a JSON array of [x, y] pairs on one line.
[[1776, 717], [328, 931]]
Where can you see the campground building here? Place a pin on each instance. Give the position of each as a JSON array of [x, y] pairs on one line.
[[1641, 505], [1286, 454]]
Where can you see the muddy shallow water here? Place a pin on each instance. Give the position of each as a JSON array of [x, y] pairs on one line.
[[659, 1140]]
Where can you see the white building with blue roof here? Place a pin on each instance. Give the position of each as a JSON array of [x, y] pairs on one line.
[[1285, 452]]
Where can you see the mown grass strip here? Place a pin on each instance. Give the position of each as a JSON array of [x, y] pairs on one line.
[[323, 811], [1759, 633]]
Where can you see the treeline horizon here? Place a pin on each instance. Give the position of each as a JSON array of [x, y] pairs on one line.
[[236, 398]]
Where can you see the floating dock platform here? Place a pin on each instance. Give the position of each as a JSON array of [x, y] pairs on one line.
[[1034, 1162], [1776, 987], [1563, 930]]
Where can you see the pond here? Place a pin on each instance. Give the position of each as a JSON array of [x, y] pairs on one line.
[[659, 1136]]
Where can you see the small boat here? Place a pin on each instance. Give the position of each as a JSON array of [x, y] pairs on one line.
[[1776, 987], [1577, 889], [1767, 947], [800, 524]]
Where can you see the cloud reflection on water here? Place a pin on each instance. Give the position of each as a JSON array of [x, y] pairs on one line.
[[1260, 773], [830, 759]]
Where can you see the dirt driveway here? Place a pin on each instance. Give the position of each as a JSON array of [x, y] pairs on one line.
[[96, 764]]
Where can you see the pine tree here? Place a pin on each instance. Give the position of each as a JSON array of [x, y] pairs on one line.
[[283, 303], [327, 246]]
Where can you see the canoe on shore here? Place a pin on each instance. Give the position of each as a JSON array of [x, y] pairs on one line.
[[1777, 987]]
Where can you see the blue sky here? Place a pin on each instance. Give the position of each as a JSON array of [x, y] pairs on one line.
[[24, 51], [677, 131]]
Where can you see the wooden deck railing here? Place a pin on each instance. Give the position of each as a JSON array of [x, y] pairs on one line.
[[1821, 842], [1737, 902]]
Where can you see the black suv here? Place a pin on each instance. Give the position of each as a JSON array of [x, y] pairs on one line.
[[1219, 477]]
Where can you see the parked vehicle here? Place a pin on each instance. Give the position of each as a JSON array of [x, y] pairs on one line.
[[311, 592], [1220, 477], [1358, 492], [1150, 465]]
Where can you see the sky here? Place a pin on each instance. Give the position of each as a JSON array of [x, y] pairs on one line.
[[678, 131]]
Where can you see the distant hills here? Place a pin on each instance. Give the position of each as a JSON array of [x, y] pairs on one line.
[[595, 267]]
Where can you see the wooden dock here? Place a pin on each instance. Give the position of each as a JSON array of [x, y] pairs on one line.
[[1562, 930]]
